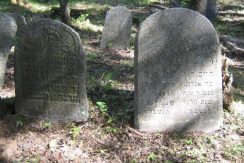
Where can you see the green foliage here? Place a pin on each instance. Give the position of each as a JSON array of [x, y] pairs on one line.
[[152, 157], [133, 161], [75, 131], [107, 80], [102, 106], [185, 3], [188, 141], [111, 129], [235, 150], [91, 57], [108, 76], [47, 124], [83, 17]]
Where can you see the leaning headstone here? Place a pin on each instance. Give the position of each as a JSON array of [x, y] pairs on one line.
[[8, 30], [178, 73], [50, 72], [117, 28], [20, 19]]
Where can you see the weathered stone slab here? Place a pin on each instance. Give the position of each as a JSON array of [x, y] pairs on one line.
[[178, 73], [117, 28], [50, 72], [8, 30]]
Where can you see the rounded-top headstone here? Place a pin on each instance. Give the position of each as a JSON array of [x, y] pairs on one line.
[[178, 73], [50, 72], [8, 28], [117, 28]]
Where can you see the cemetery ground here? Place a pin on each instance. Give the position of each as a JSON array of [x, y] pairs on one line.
[[109, 135]]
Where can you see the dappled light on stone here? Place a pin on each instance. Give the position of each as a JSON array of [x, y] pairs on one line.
[[178, 73]]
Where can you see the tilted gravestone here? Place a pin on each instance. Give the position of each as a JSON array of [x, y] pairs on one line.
[[8, 30], [178, 73], [117, 28], [50, 72]]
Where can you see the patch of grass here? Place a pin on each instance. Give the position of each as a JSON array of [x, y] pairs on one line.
[[152, 157], [196, 155], [85, 24], [111, 129], [229, 27], [188, 141], [46, 124], [102, 106], [234, 151], [127, 63], [107, 81], [75, 131], [91, 57]]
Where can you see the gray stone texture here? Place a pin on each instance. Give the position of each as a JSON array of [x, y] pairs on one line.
[[117, 28], [178, 83], [19, 19], [8, 30], [50, 72]]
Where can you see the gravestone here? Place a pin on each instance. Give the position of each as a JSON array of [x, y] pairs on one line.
[[50, 72], [178, 83], [19, 19], [117, 28], [8, 30]]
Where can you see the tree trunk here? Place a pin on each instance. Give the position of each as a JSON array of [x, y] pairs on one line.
[[205, 7], [65, 11], [175, 3]]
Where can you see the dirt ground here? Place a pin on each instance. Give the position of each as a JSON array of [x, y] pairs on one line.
[[109, 136]]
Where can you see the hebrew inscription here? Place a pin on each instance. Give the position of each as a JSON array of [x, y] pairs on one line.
[[178, 73], [50, 71]]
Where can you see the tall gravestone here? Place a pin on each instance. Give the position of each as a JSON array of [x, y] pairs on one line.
[[178, 83], [8, 30], [117, 28], [50, 72]]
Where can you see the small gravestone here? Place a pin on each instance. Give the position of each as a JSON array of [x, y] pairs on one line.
[[178, 73], [8, 30], [50, 72], [117, 28]]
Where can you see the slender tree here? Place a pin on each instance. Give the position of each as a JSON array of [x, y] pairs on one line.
[[205, 7], [65, 11]]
